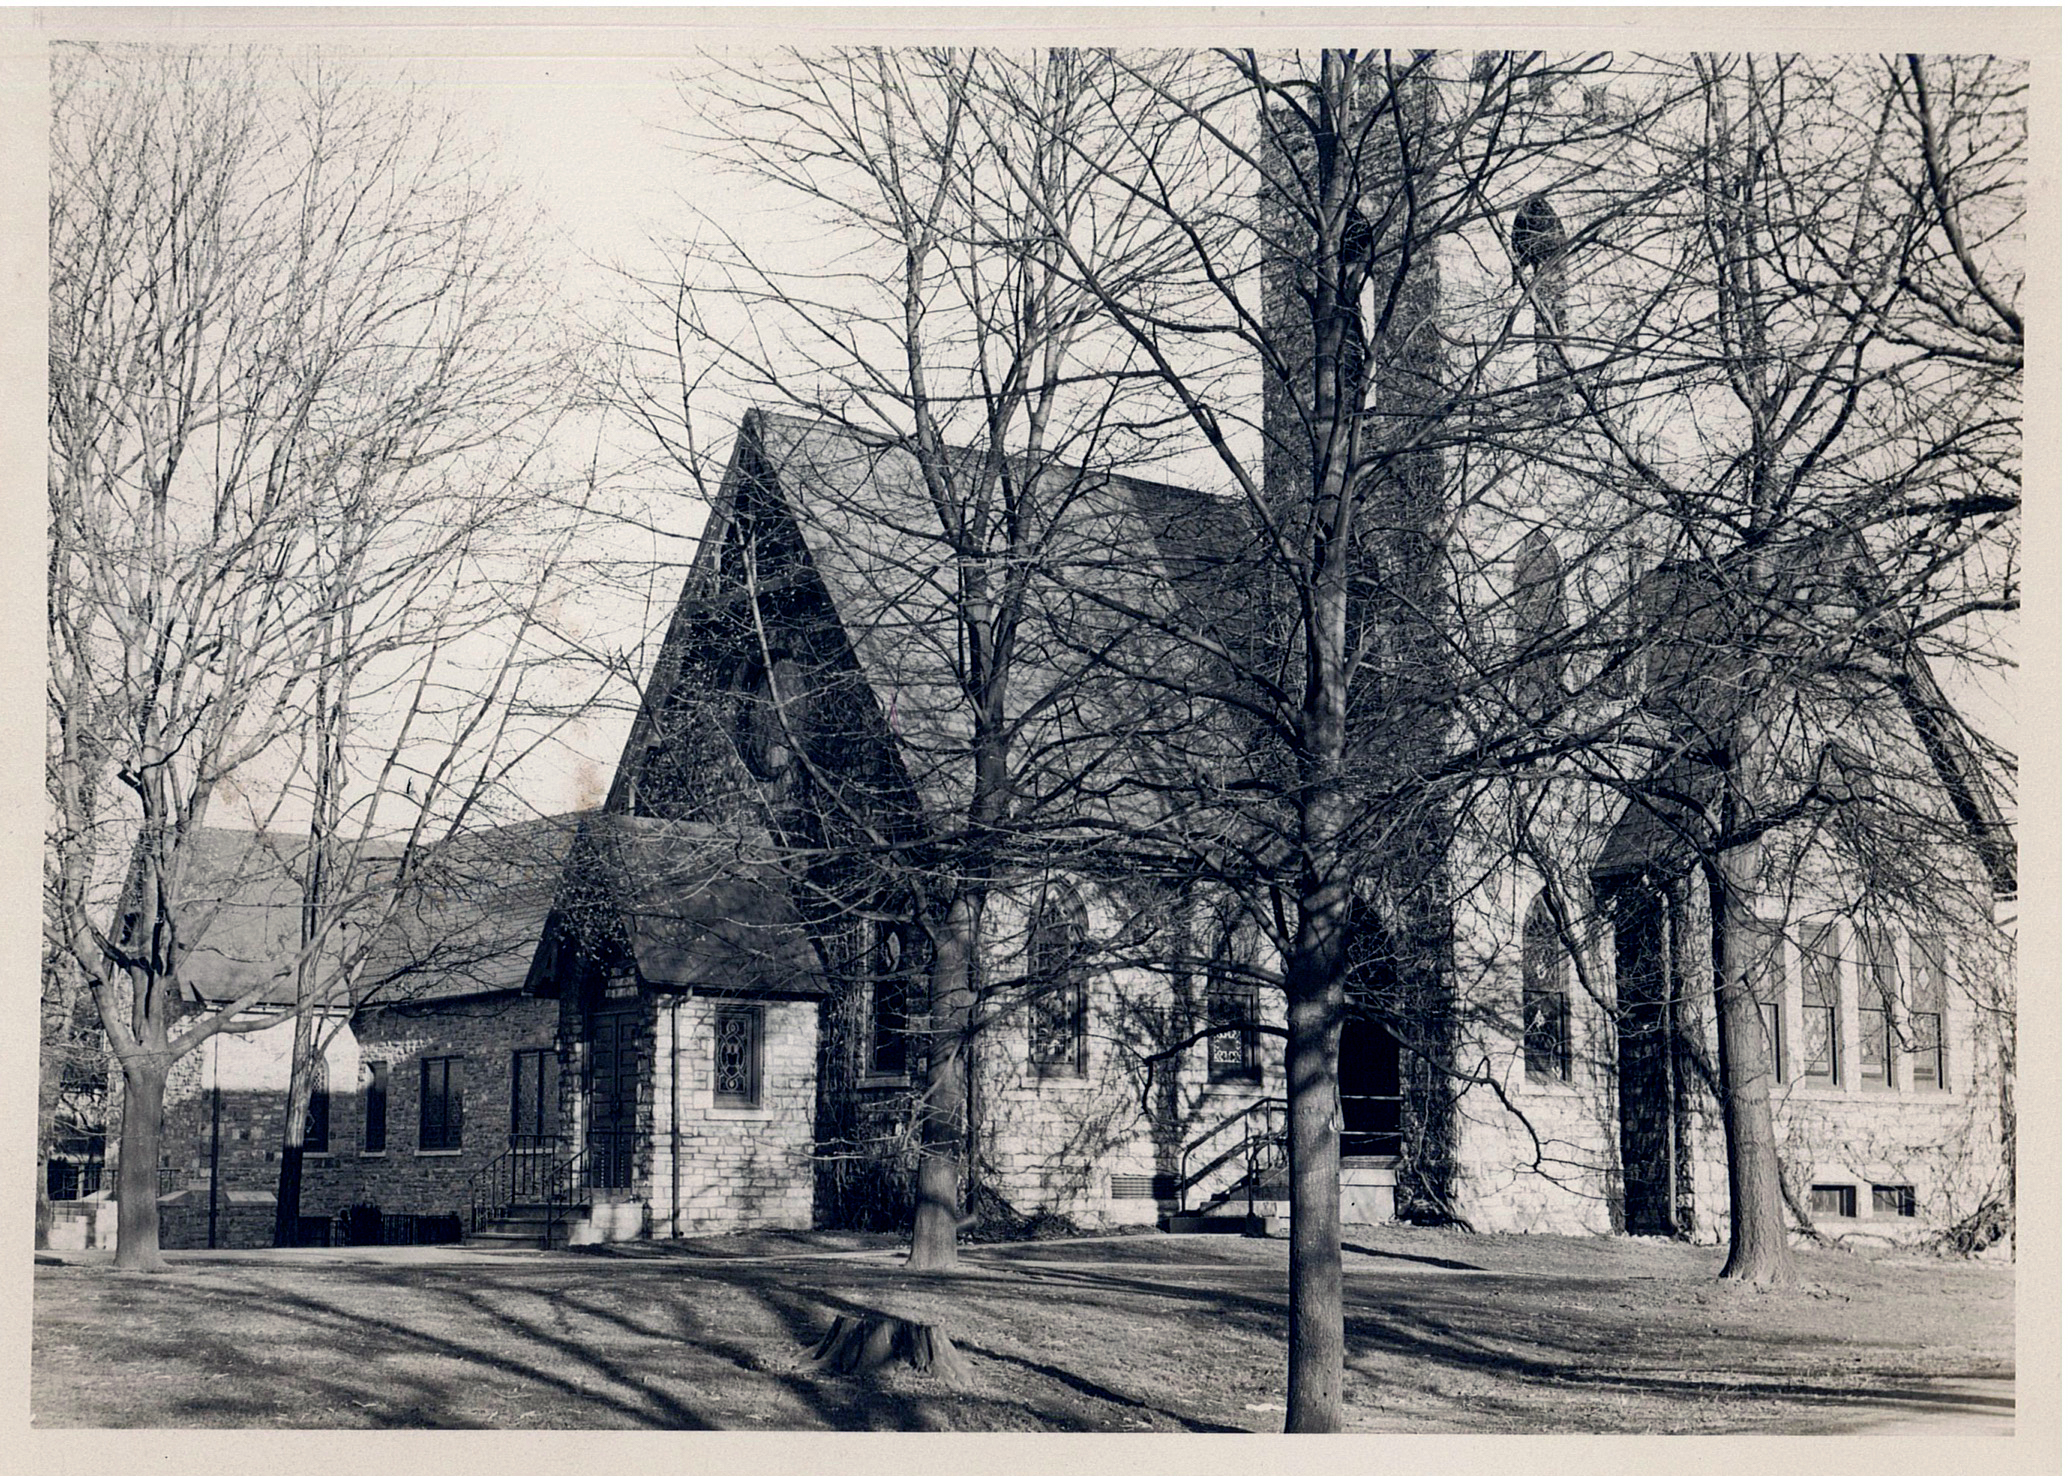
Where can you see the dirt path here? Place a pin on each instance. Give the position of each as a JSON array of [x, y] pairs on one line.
[[1446, 1333]]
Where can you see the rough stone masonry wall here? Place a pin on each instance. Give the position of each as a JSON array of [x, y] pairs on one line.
[[483, 1033], [251, 1072], [1944, 1144], [1536, 1157], [1056, 1143], [741, 1168]]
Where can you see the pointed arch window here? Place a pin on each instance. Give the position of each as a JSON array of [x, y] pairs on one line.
[[1231, 1013], [1540, 620], [316, 1127], [1540, 243], [1546, 998], [1056, 982], [889, 1002]]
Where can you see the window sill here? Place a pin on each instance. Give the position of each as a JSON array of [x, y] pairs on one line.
[[439, 1152], [881, 1080], [1075, 1081], [715, 1113], [373, 1153]]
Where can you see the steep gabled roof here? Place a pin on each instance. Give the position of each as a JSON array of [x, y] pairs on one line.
[[467, 923], [1701, 659], [472, 922], [1110, 544], [687, 905]]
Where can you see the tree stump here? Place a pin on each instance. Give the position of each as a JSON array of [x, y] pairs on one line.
[[863, 1344]]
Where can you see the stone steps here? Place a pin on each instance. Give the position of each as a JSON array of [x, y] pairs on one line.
[[523, 1225], [1367, 1185]]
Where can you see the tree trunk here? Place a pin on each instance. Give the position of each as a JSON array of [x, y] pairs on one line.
[[1314, 1016], [143, 1122], [865, 1343], [1759, 1227], [937, 1208], [56, 1033], [287, 1197]]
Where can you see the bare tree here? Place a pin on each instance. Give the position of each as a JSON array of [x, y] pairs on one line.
[[1800, 413], [292, 351], [966, 428], [1341, 664]]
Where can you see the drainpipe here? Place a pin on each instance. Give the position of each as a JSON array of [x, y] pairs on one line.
[[1673, 925], [215, 1129], [675, 1119]]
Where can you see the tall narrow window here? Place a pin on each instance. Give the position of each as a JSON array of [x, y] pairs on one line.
[[1879, 995], [889, 1014], [438, 1104], [1767, 984], [1819, 948], [1546, 998], [1540, 249], [376, 1100], [736, 1063], [1927, 1012], [534, 1099], [1540, 622], [1056, 982], [1231, 1013], [316, 1127]]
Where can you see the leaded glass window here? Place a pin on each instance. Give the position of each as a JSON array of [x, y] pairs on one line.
[[1927, 1012], [316, 1128], [1055, 980], [1878, 1001], [1820, 1004], [736, 1063], [1546, 1001], [888, 1011]]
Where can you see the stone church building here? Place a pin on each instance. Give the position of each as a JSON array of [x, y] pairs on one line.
[[704, 1009]]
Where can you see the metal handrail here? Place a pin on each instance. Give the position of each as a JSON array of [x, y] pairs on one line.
[[529, 1172], [1251, 1143]]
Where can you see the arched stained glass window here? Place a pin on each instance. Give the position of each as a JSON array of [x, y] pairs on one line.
[[1546, 998], [1056, 982]]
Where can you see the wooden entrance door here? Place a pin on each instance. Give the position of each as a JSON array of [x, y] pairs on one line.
[[1369, 1076], [613, 1096], [1644, 1063]]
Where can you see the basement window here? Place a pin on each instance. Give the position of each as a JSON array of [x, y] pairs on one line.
[[1895, 1199], [1834, 1201]]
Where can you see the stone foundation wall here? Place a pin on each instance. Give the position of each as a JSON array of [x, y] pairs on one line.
[[741, 1167]]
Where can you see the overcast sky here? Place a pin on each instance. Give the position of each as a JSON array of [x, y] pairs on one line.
[[579, 116]]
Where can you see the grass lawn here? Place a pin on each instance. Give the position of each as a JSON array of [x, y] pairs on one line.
[[1447, 1332]]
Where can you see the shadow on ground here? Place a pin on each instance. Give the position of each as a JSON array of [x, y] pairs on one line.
[[1170, 1342]]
